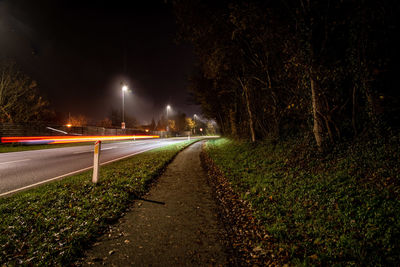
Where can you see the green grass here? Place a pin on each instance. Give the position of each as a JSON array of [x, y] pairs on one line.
[[342, 209], [52, 224]]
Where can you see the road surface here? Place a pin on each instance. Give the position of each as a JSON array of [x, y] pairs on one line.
[[25, 169]]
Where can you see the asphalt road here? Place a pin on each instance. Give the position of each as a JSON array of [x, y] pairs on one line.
[[25, 169]]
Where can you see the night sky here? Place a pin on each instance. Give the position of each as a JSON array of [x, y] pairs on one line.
[[81, 51]]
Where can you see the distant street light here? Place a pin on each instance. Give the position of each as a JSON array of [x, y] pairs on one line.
[[124, 89], [194, 118], [168, 108]]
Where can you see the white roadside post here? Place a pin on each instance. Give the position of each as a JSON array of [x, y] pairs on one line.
[[96, 160]]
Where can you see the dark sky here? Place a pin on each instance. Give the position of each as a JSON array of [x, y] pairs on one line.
[[80, 52]]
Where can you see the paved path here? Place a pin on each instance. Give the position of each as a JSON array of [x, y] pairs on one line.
[[179, 228]]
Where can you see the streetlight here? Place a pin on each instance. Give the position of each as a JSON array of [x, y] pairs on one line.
[[168, 108], [124, 89], [194, 118]]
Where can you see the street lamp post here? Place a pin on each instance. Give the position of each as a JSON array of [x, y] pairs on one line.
[[124, 88], [168, 108], [194, 118]]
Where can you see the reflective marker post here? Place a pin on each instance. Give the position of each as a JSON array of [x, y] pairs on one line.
[[96, 160]]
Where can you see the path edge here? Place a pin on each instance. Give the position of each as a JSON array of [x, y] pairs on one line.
[[245, 231]]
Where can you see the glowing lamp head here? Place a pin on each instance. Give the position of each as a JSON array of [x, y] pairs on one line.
[[69, 125], [147, 130], [124, 88], [168, 107]]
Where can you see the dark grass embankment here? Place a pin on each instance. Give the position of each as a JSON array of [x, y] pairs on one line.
[[52, 224], [338, 209]]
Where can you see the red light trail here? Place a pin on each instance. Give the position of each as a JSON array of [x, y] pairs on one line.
[[70, 139]]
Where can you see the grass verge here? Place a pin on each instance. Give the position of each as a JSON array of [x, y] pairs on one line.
[[342, 209], [52, 224]]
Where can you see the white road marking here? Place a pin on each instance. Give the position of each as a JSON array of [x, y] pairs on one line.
[[107, 148], [14, 161], [71, 173], [80, 152], [139, 143], [127, 156]]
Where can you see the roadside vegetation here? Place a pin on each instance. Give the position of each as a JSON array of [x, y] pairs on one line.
[[319, 80], [52, 224], [277, 68], [340, 208]]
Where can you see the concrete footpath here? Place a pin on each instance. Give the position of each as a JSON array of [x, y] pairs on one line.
[[176, 223]]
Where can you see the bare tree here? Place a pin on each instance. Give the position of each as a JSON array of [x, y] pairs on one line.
[[19, 99]]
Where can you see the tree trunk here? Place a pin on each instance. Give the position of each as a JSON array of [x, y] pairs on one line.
[[251, 123], [251, 120], [316, 108], [371, 105], [221, 124], [232, 121]]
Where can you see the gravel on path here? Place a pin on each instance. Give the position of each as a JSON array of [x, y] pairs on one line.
[[175, 224]]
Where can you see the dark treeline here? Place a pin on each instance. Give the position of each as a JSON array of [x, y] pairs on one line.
[[278, 67]]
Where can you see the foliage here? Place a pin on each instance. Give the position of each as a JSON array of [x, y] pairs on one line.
[[171, 125], [343, 209], [52, 224], [116, 118], [153, 125], [106, 123], [161, 124], [79, 120], [210, 130], [19, 98], [180, 121], [190, 124], [275, 68]]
